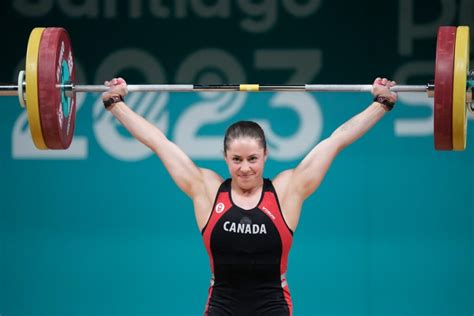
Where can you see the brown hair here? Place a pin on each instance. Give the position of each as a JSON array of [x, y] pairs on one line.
[[244, 129]]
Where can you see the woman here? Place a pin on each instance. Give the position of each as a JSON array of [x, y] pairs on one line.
[[247, 222]]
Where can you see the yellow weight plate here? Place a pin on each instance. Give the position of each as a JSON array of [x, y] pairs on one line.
[[32, 101], [461, 68]]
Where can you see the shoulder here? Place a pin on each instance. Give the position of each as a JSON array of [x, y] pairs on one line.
[[211, 175], [205, 194], [212, 180], [283, 178], [282, 182], [290, 203]]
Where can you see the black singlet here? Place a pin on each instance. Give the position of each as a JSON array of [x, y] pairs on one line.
[[248, 252]]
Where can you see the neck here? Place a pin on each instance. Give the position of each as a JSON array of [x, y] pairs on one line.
[[246, 191]]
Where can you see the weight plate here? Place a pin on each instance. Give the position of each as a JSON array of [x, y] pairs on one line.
[[461, 69], [32, 101], [56, 69], [443, 96]]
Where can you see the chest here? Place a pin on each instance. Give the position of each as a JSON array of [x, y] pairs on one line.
[[240, 232], [247, 202]]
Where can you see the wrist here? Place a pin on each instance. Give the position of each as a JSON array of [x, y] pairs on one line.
[[385, 101], [111, 101]]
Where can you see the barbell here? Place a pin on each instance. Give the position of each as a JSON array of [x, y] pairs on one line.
[[47, 88]]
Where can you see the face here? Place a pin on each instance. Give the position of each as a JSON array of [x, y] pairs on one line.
[[245, 159]]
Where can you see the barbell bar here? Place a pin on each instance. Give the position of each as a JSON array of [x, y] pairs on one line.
[[48, 89], [12, 90]]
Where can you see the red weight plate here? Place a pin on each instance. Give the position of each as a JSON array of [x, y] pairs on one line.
[[55, 69], [443, 94]]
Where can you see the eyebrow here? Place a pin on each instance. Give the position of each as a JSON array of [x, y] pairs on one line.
[[250, 156]]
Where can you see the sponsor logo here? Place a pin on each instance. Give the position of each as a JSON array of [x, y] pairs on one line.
[[268, 213], [220, 208]]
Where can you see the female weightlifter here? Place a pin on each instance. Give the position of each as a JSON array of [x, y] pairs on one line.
[[247, 221]]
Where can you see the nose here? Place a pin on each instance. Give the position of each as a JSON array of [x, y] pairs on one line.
[[244, 167]]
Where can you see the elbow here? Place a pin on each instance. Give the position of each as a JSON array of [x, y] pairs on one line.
[[339, 141], [149, 142], [154, 141]]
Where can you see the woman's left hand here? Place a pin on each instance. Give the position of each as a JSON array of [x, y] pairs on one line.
[[116, 86]]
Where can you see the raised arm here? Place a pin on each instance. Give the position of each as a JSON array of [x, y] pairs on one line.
[[195, 182], [297, 184]]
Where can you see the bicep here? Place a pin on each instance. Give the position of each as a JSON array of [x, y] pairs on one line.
[[183, 171], [293, 186], [290, 202], [181, 168], [310, 172], [204, 195]]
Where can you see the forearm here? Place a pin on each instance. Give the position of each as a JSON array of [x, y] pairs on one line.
[[307, 176], [140, 128], [181, 168], [358, 125]]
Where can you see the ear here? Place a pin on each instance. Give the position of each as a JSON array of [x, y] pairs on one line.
[[266, 154]]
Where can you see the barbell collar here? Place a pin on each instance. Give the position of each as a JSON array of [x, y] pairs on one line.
[[430, 87]]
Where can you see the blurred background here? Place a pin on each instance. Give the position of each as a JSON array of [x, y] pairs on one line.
[[101, 229]]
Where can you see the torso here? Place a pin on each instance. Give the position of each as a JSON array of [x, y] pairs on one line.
[[248, 243], [290, 202]]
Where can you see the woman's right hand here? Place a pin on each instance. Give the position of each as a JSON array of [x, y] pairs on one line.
[[381, 86]]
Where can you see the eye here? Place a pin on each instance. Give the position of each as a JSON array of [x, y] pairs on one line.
[[253, 159], [236, 159]]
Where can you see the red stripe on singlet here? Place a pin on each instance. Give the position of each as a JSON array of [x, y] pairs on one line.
[[269, 206], [221, 206]]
